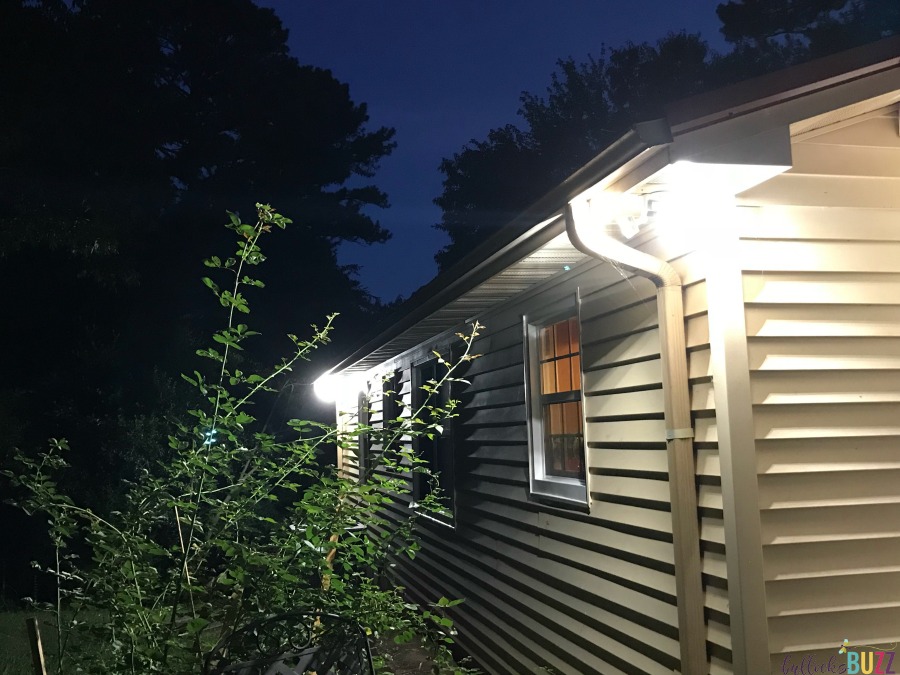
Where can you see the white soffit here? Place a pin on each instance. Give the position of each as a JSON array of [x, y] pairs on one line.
[[554, 257], [697, 178]]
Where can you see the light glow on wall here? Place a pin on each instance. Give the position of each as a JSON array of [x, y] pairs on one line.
[[689, 220]]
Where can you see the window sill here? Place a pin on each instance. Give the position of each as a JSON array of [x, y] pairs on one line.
[[566, 493]]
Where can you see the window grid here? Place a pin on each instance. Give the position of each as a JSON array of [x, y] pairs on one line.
[[560, 375]]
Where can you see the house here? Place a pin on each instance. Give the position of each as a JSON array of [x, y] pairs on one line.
[[680, 448]]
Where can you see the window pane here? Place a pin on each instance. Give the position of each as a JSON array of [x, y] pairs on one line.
[[561, 333], [573, 335], [561, 423], [554, 416], [547, 343], [576, 372], [574, 455], [572, 418], [564, 456], [548, 378], [556, 455], [563, 374]]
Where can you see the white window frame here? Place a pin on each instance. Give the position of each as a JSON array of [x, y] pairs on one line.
[[569, 491]]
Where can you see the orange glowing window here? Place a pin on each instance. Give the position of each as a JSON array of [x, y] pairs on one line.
[[560, 389]]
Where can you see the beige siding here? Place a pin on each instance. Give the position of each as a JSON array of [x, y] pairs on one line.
[[594, 592], [630, 389], [580, 593], [709, 481], [557, 588], [822, 301]]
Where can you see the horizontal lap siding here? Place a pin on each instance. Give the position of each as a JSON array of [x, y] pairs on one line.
[[625, 435], [347, 419], [574, 592], [580, 593], [542, 574], [823, 323], [628, 382], [548, 587], [709, 479], [821, 266]]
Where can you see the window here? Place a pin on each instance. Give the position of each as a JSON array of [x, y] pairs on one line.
[[554, 400], [437, 452], [369, 446], [363, 441], [391, 396]]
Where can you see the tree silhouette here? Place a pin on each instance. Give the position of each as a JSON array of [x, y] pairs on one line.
[[807, 28], [126, 131], [588, 105], [585, 108]]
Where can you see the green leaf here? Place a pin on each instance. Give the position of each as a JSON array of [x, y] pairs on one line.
[[243, 418], [210, 284], [226, 340], [246, 230], [194, 626], [253, 282], [225, 580]]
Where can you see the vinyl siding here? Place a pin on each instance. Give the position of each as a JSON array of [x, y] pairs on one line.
[[587, 593], [547, 587], [822, 305], [594, 592]]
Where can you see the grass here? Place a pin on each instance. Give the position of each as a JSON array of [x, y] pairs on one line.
[[15, 652]]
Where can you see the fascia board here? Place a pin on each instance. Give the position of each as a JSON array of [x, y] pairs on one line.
[[797, 83]]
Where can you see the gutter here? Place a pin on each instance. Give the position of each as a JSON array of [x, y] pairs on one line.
[[519, 237], [679, 431]]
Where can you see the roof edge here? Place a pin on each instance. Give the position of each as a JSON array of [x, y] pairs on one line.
[[515, 239], [766, 90]]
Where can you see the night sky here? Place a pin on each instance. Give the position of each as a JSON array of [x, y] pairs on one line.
[[443, 73]]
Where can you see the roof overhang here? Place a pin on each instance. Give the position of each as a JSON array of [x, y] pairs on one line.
[[738, 136], [482, 278]]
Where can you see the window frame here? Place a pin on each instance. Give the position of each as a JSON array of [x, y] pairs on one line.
[[560, 489], [363, 441], [391, 396]]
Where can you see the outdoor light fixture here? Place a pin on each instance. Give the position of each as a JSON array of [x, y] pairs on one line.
[[330, 385], [631, 214], [327, 387], [625, 211]]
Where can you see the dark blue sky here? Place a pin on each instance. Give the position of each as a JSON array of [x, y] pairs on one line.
[[443, 72]]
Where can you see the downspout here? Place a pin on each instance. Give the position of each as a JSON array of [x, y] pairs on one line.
[[679, 432]]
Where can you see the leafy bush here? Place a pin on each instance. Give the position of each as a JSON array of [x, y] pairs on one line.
[[238, 523]]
